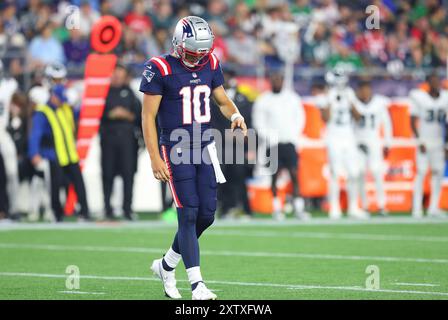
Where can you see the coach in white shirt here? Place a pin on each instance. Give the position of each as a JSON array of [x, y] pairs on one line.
[[280, 112]]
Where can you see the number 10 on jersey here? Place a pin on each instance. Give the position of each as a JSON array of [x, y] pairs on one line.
[[192, 97]]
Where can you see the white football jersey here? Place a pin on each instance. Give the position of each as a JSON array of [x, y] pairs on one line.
[[7, 89], [280, 113], [340, 124], [431, 113], [374, 114]]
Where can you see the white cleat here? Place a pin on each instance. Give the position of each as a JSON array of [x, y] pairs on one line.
[[278, 216], [358, 214], [335, 214], [202, 293], [417, 214], [168, 279], [303, 215], [437, 214]]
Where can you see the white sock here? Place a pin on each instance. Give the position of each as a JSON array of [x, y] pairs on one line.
[[352, 188], [418, 193], [380, 193], [334, 193], [299, 205], [363, 191], [172, 258], [277, 204], [436, 184], [194, 275]]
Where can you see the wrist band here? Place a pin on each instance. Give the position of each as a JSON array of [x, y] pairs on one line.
[[235, 116]]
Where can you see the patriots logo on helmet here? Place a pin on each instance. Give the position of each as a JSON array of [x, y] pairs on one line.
[[148, 74], [187, 31]]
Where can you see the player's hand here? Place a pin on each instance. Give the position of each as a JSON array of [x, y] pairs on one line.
[[239, 123], [422, 148], [386, 151], [160, 170], [36, 160]]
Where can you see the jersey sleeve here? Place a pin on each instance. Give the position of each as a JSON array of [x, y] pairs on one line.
[[218, 77], [321, 101], [414, 105], [152, 81]]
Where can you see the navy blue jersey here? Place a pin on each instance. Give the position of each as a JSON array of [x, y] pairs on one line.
[[185, 96]]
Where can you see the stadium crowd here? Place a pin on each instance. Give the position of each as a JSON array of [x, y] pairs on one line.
[[330, 34]]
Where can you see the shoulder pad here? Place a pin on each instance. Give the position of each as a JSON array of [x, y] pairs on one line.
[[161, 64], [214, 62]]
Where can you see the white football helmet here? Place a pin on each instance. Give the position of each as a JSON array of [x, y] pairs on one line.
[[336, 78], [55, 71], [193, 41]]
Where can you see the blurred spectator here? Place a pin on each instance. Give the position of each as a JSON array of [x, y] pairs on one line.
[[162, 16], [88, 16], [118, 141], [137, 20], [76, 48], [242, 48], [158, 43], [344, 59], [45, 49]]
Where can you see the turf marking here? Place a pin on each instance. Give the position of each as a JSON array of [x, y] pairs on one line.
[[417, 284], [257, 222], [234, 283], [320, 235], [52, 247], [81, 292]]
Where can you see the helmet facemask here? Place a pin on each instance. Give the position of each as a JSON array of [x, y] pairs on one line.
[[192, 59]]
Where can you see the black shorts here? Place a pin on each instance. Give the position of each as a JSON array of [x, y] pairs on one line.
[[287, 155]]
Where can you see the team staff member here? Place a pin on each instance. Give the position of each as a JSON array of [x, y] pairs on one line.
[[119, 144], [280, 111], [52, 138]]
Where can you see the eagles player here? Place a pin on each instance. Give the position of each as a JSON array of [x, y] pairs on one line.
[[373, 115], [177, 89], [338, 113], [428, 120], [7, 147]]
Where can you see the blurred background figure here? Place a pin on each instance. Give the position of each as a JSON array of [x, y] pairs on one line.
[[280, 112], [428, 121], [232, 195], [374, 116], [3, 194], [119, 145], [52, 149], [8, 87], [339, 115]]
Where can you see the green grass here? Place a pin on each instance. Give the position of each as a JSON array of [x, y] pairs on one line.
[[239, 261]]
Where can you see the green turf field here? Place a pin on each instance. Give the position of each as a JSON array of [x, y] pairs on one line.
[[255, 260]]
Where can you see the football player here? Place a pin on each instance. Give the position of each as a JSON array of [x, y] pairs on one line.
[[177, 88], [338, 113], [7, 147], [374, 116], [428, 109]]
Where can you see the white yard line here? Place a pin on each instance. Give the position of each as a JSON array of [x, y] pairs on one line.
[[51, 247], [319, 235], [9, 226], [233, 283], [81, 292], [417, 284]]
